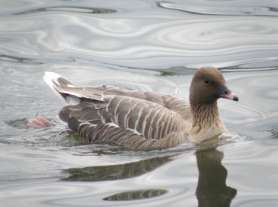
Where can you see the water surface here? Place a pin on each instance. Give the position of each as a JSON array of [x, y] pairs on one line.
[[146, 45]]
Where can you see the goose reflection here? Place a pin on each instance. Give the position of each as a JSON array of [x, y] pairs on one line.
[[212, 190], [121, 171], [115, 172]]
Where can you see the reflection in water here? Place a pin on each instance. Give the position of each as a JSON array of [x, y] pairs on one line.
[[113, 42], [220, 8], [72, 9], [15, 59], [212, 190], [135, 195], [115, 172], [18, 123], [274, 133]]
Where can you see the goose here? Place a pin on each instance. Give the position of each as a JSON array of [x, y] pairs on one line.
[[139, 120]]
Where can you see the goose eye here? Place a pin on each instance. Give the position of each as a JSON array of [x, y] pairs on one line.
[[207, 81]]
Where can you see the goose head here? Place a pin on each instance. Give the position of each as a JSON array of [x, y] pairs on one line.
[[207, 86]]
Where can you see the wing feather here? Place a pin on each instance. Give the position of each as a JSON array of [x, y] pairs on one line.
[[134, 119]]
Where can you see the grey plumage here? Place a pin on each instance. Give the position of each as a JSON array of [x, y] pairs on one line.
[[133, 119], [134, 123], [143, 120]]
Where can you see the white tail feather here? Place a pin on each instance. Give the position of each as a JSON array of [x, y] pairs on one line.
[[70, 93], [51, 80]]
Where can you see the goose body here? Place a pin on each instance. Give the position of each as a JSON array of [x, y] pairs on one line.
[[134, 119]]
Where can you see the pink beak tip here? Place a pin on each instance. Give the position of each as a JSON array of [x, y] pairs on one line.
[[231, 96]]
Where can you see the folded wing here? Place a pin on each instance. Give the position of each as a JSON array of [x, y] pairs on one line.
[[109, 115]]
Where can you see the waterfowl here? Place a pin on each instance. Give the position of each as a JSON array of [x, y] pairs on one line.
[[140, 120]]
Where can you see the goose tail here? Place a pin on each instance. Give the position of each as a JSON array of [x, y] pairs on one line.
[[61, 87]]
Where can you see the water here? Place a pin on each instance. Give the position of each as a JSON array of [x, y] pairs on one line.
[[147, 45]]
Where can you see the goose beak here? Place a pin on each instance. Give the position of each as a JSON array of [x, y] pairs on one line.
[[227, 94], [230, 96]]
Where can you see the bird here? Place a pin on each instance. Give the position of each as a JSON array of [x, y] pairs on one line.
[[140, 120]]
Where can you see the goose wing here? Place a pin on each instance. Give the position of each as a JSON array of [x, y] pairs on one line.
[[134, 123], [69, 91], [136, 120]]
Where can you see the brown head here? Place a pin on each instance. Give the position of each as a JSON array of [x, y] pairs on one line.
[[208, 85]]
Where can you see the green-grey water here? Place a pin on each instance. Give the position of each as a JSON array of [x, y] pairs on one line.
[[145, 45]]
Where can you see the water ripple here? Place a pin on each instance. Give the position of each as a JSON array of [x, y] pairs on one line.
[[71, 9], [21, 60], [225, 8], [136, 42], [114, 42]]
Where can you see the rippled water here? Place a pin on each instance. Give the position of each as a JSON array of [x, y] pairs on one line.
[[147, 45]]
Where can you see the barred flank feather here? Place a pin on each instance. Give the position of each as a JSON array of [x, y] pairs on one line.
[[138, 120]]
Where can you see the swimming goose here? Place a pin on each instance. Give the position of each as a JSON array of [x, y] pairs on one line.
[[144, 120]]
